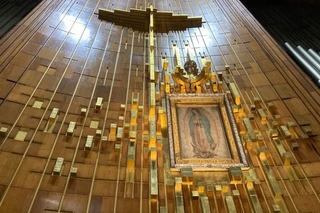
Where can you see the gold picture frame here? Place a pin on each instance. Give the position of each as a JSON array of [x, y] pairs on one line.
[[202, 132]]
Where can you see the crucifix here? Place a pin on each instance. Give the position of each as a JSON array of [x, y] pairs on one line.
[[153, 21], [188, 78]]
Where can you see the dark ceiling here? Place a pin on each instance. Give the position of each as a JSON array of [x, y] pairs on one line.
[[12, 11], [296, 22]]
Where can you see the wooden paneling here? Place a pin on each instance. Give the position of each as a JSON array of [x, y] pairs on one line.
[[64, 57]]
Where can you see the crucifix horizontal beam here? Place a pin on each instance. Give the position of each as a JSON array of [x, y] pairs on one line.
[[139, 20]]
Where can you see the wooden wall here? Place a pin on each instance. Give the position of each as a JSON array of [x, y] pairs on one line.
[[61, 56]]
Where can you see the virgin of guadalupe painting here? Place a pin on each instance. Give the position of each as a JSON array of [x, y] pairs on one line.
[[203, 132], [202, 141]]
